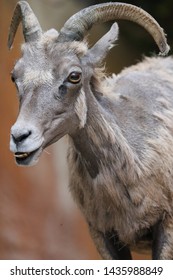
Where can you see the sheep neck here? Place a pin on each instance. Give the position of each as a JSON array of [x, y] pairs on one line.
[[100, 144]]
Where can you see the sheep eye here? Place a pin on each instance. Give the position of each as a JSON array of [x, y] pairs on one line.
[[74, 77], [12, 78]]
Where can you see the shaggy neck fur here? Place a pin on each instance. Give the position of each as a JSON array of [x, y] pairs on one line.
[[104, 170], [102, 146]]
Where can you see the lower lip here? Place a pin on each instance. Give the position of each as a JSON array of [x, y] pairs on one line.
[[25, 158]]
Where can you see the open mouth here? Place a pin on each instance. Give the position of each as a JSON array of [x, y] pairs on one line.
[[25, 158]]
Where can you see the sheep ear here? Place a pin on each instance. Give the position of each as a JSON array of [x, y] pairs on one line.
[[99, 51]]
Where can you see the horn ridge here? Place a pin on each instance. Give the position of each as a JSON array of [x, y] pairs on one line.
[[31, 27], [76, 27]]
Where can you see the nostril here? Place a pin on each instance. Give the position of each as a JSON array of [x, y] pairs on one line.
[[21, 137]]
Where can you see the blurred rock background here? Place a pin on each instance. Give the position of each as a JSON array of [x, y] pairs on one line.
[[38, 219]]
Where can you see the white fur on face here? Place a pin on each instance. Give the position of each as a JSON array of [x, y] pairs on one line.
[[81, 109], [37, 77]]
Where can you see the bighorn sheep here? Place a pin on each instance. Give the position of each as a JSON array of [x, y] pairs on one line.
[[120, 127]]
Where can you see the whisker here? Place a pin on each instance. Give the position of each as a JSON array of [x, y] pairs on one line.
[[46, 152]]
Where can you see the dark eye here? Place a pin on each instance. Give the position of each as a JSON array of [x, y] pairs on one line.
[[74, 77], [12, 78]]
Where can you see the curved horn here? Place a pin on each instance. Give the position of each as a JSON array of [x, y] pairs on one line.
[[31, 27], [76, 27]]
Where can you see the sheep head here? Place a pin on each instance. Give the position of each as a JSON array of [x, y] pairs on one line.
[[55, 73]]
